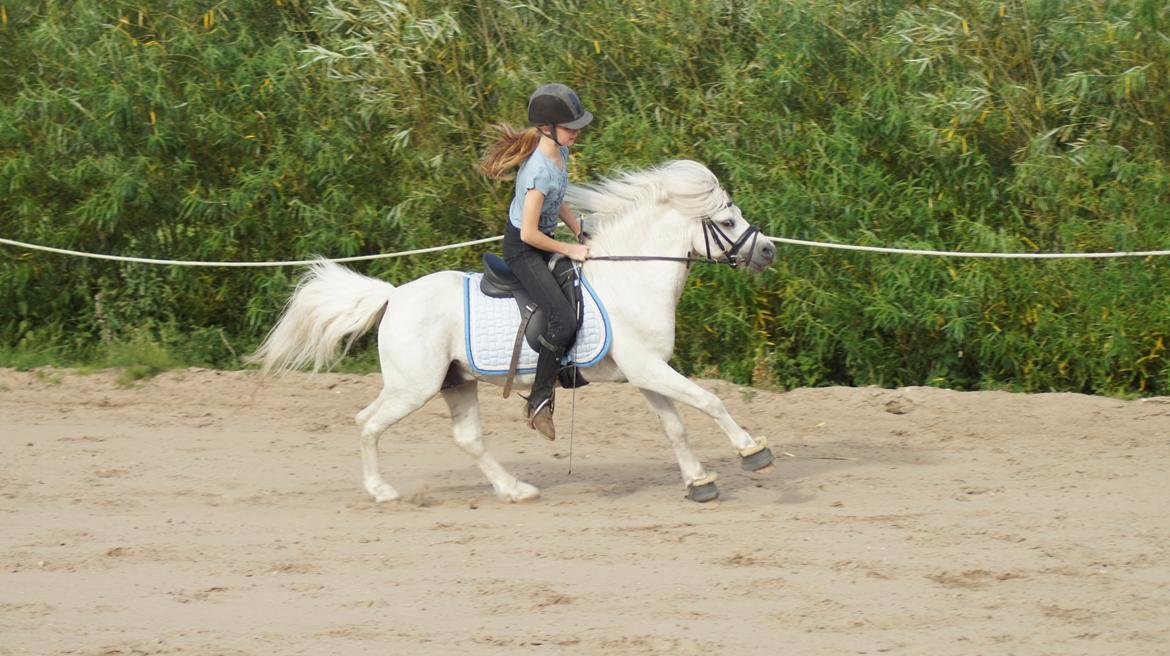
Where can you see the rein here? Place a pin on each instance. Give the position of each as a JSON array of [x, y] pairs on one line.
[[711, 232]]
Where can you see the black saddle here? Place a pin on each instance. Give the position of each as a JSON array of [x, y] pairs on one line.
[[499, 282]]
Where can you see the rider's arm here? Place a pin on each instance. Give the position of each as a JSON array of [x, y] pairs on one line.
[[530, 229], [571, 220]]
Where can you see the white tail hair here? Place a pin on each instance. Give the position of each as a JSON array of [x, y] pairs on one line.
[[331, 303]]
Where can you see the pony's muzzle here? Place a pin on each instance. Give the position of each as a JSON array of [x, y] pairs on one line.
[[762, 256]]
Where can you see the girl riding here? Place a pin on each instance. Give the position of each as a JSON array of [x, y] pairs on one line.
[[541, 152]]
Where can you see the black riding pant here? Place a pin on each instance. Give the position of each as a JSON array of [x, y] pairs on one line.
[[531, 266]]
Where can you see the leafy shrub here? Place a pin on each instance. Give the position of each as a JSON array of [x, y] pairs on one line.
[[281, 129]]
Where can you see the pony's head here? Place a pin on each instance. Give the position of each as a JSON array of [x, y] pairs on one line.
[[716, 229]]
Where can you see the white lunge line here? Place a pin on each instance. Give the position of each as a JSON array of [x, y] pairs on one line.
[[476, 242], [147, 260], [1013, 256]]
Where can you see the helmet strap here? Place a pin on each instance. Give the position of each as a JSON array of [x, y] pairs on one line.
[[553, 135]]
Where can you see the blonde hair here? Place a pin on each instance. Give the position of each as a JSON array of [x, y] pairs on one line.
[[509, 151]]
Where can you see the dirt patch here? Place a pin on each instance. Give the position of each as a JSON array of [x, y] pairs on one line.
[[196, 513]]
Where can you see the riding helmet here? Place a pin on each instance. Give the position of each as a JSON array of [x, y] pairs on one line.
[[557, 104]]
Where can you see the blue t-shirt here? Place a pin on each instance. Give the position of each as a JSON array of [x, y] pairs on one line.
[[538, 172]]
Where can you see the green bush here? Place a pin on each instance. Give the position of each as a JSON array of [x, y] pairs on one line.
[[282, 129]]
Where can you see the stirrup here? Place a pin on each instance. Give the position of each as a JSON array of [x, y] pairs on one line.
[[540, 418], [569, 377]]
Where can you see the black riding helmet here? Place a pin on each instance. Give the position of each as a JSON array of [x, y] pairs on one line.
[[557, 104]]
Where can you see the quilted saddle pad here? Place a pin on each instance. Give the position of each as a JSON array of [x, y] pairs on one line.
[[491, 325]]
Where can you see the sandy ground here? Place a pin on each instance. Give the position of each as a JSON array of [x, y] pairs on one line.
[[192, 514]]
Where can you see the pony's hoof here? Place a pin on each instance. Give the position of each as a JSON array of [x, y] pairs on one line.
[[383, 492], [703, 493], [759, 462], [521, 492]]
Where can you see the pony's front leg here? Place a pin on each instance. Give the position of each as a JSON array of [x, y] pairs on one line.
[[658, 376], [700, 485], [464, 405]]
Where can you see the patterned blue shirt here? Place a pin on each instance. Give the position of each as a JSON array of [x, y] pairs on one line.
[[538, 172]]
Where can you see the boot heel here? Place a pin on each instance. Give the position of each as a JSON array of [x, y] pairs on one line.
[[540, 419]]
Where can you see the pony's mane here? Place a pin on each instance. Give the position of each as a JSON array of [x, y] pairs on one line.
[[686, 185]]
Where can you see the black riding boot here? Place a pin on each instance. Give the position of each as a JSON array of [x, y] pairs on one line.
[[539, 411]]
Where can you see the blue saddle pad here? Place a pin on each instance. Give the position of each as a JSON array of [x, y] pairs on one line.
[[491, 325]]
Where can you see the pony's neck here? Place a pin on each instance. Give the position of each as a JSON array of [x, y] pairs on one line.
[[661, 232]]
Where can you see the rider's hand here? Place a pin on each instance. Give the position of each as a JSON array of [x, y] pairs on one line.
[[578, 252]]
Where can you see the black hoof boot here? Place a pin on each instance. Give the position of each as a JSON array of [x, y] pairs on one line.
[[703, 493], [758, 460]]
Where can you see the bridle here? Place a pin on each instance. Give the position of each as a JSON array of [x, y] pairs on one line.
[[711, 233]]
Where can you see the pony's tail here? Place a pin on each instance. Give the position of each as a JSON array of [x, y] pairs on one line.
[[331, 303]]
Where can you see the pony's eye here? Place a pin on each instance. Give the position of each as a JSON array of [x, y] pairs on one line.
[[729, 223]]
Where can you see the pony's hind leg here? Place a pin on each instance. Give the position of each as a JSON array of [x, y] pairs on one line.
[[464, 405], [391, 405]]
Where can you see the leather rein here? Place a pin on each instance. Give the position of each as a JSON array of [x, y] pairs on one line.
[[711, 233]]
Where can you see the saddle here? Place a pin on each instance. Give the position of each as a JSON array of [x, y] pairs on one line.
[[499, 282]]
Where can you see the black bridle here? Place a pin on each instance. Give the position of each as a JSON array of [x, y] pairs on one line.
[[730, 248], [711, 233]]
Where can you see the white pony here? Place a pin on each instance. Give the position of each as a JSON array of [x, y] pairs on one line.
[[644, 227]]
